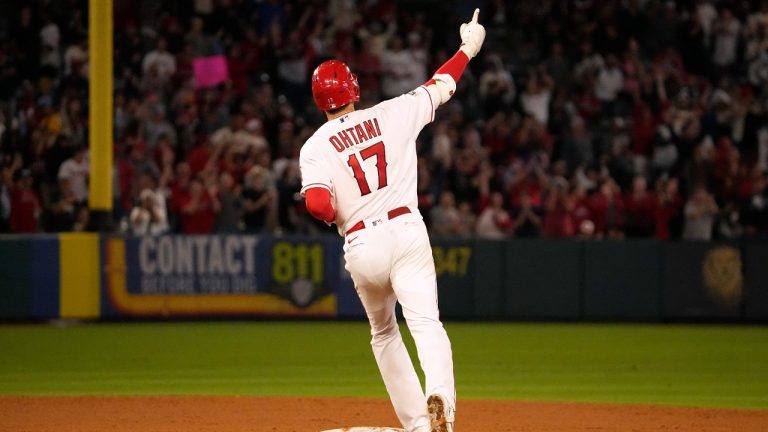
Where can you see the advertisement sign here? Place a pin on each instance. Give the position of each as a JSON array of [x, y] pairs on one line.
[[214, 275], [455, 271], [702, 280], [210, 71]]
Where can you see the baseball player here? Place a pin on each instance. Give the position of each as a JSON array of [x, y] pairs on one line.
[[359, 171]]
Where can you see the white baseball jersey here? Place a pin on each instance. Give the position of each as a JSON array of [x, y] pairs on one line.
[[367, 158]]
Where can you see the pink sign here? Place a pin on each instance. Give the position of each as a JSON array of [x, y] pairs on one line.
[[210, 71]]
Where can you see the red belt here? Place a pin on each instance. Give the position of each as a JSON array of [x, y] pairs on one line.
[[390, 215]]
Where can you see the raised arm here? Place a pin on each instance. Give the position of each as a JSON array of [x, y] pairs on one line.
[[443, 83]]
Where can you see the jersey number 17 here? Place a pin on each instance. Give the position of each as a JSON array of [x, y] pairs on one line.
[[376, 150]]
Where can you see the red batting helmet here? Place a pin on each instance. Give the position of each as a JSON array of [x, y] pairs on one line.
[[334, 86]]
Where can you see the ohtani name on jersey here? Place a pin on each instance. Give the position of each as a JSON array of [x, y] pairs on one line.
[[356, 134]]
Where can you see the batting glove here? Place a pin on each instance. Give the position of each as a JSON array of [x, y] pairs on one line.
[[472, 36]]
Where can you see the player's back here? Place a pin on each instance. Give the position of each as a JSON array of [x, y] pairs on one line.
[[367, 158]]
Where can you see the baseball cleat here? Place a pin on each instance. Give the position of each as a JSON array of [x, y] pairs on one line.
[[438, 418]]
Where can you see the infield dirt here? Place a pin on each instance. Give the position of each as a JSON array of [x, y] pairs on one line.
[[299, 414]]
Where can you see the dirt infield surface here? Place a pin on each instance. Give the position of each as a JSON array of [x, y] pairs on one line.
[[285, 414]]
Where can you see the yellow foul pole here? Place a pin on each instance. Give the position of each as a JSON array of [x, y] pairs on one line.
[[100, 112]]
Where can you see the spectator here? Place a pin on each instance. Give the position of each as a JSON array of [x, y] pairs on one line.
[[368, 68], [467, 220], [82, 219], [75, 171], [198, 39], [665, 153], [25, 205], [292, 68], [498, 136], [258, 197], [580, 212], [147, 218], [643, 128], [693, 105], [757, 34], [700, 212], [667, 211], [160, 62], [632, 67], [607, 210], [71, 122], [199, 158], [729, 222], [496, 86], [727, 30], [418, 63], [589, 62], [50, 38], [537, 95], [165, 155], [756, 210], [397, 74], [494, 222], [445, 217], [639, 206], [178, 189], [705, 15], [228, 219], [63, 209], [224, 136], [558, 221], [610, 80], [252, 138], [577, 146], [158, 127], [199, 209], [291, 204], [76, 59], [527, 222], [557, 66], [150, 215]]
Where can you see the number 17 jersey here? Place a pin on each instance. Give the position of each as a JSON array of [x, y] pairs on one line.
[[367, 158]]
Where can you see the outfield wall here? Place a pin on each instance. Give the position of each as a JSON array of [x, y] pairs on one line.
[[96, 276]]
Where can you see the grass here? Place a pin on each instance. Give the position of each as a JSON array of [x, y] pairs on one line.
[[666, 364]]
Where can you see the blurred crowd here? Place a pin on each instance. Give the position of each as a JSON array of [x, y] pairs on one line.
[[580, 118]]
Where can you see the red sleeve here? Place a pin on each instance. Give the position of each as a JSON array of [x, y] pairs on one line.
[[454, 67], [318, 202]]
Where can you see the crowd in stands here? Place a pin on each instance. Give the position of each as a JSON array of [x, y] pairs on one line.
[[579, 118]]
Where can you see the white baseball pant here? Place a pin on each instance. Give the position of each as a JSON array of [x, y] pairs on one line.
[[391, 261]]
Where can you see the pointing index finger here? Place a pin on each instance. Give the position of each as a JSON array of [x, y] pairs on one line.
[[474, 17]]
